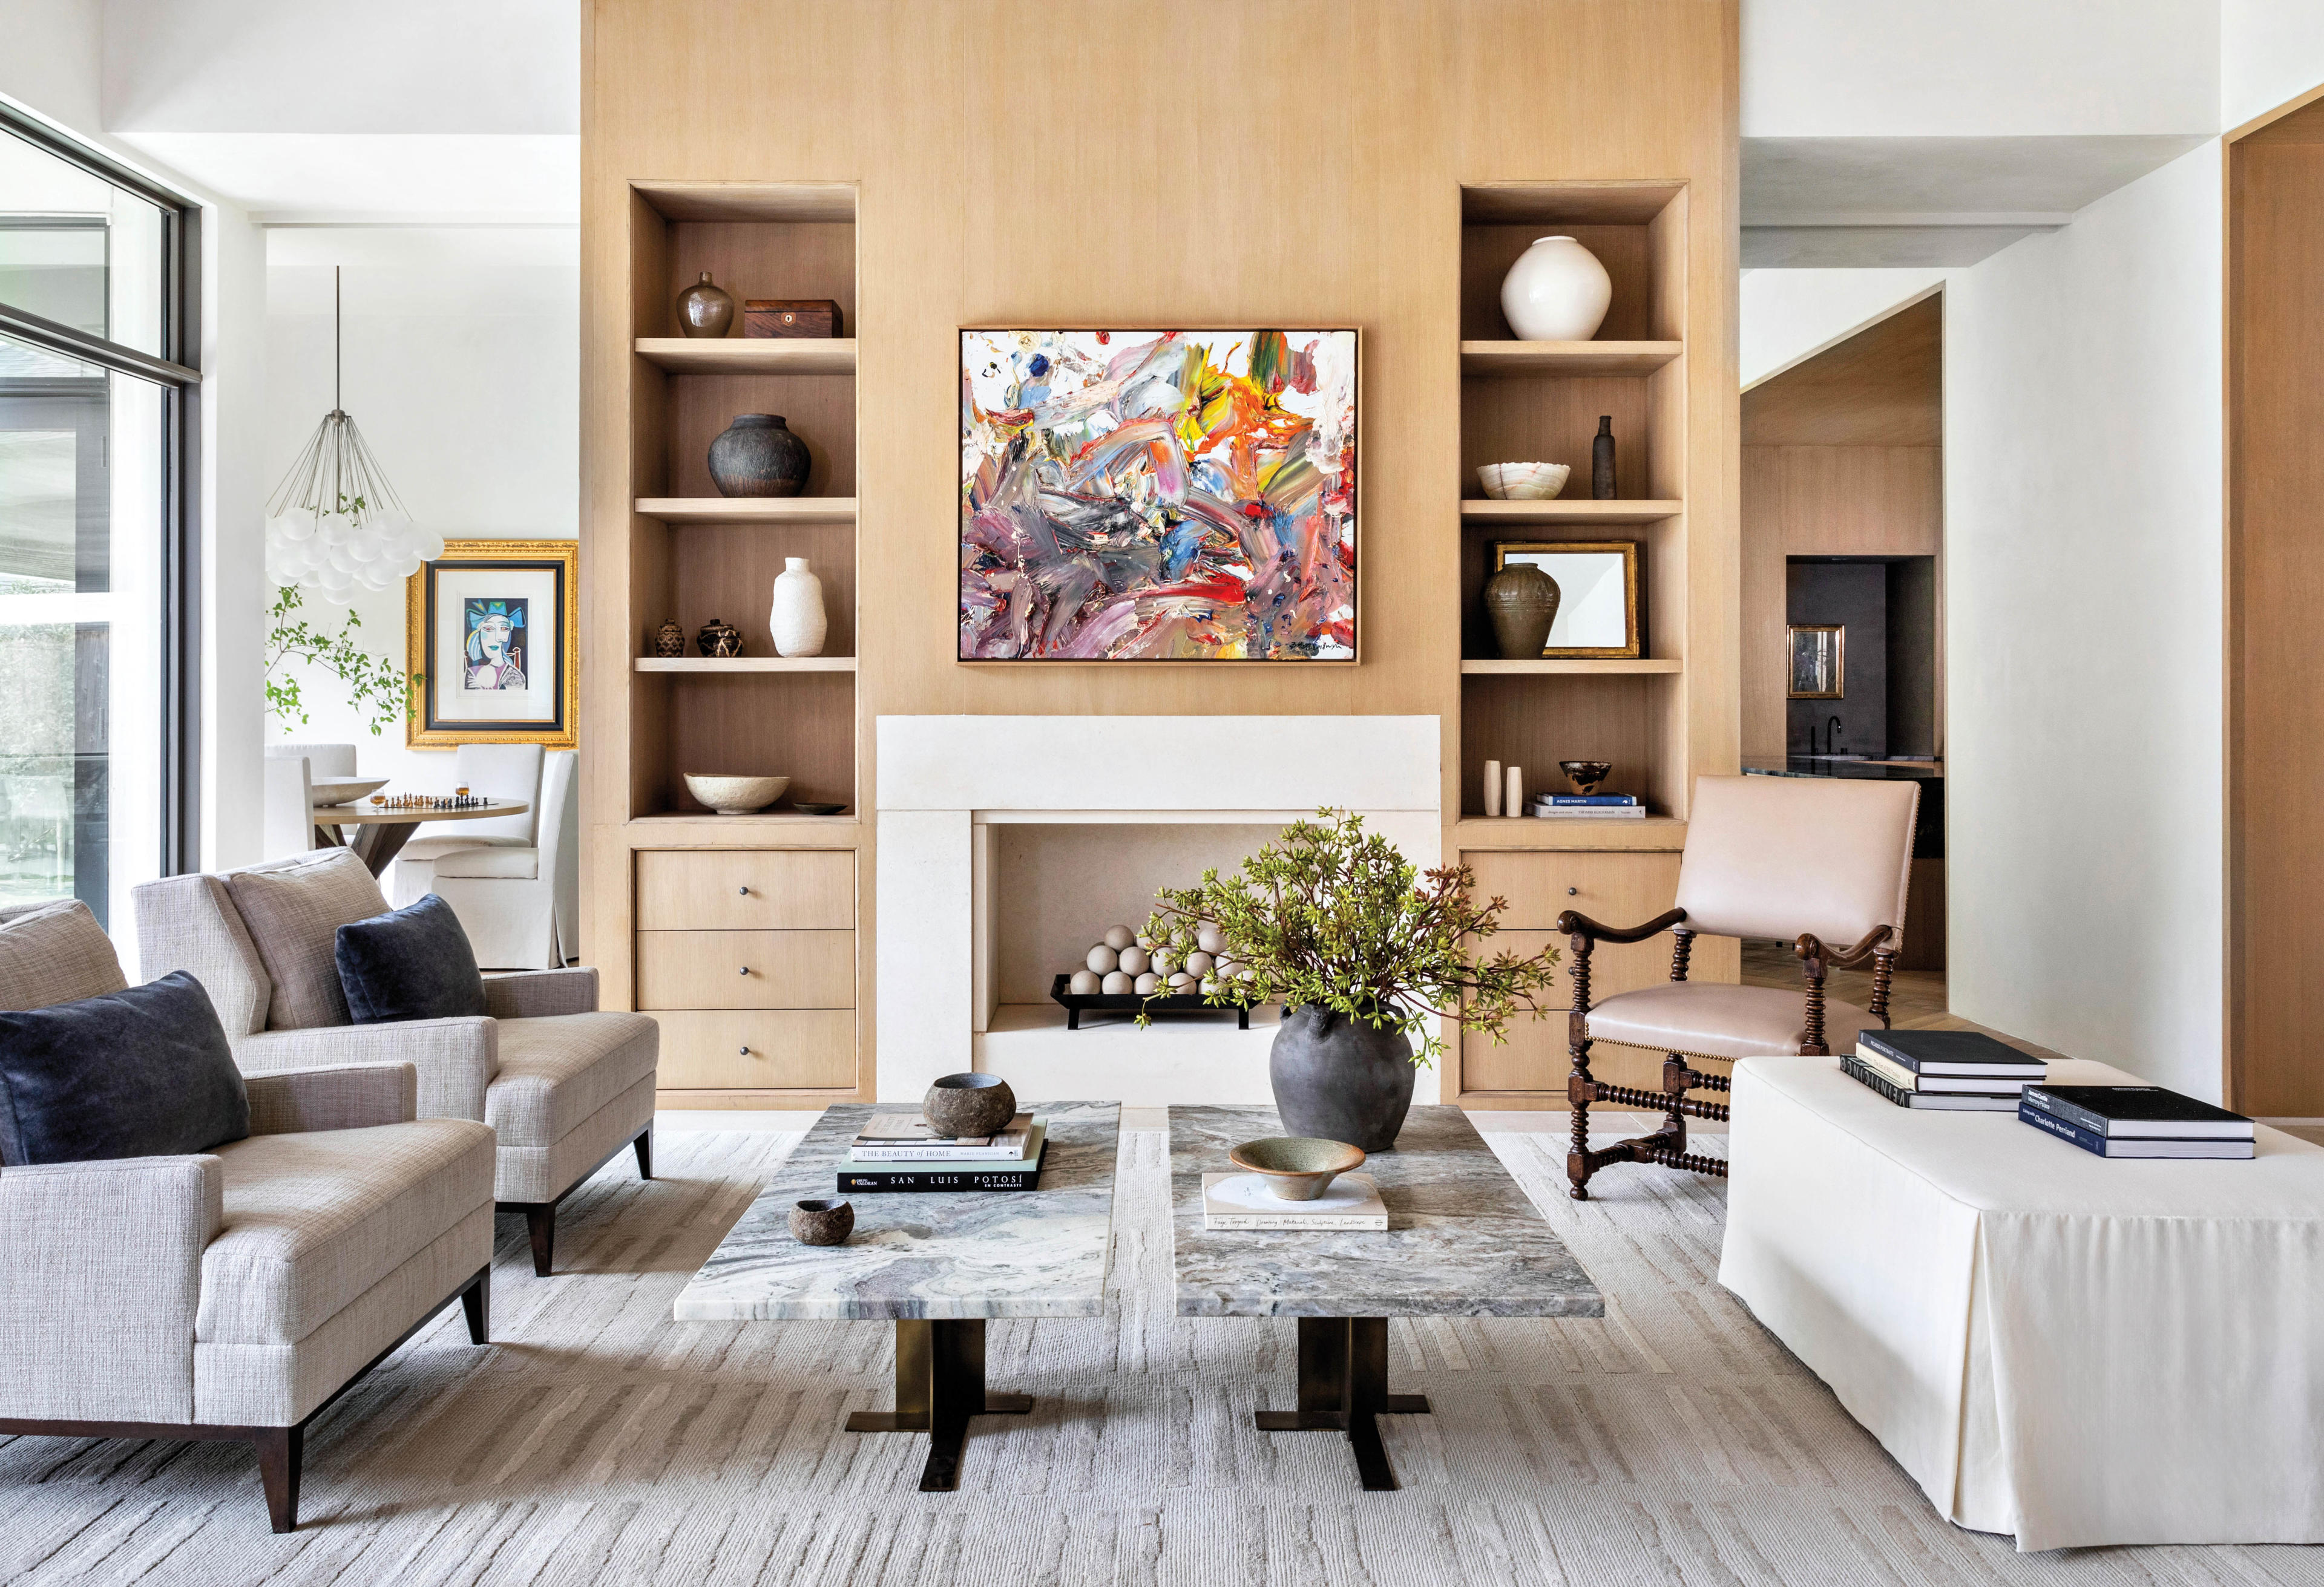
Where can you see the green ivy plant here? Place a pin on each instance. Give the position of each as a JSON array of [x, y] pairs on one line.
[[1332, 916], [375, 686]]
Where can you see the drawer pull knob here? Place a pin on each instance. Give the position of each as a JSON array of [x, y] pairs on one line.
[[742, 892], [743, 971], [1573, 892], [744, 1051]]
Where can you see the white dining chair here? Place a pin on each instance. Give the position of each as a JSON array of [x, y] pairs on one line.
[[325, 761], [505, 884], [287, 823]]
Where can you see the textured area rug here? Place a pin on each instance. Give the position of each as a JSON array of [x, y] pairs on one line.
[[1673, 1442]]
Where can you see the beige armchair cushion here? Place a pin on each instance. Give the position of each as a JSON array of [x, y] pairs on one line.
[[294, 909], [55, 952], [1777, 856], [555, 1072], [190, 923], [313, 1221], [1710, 1020]]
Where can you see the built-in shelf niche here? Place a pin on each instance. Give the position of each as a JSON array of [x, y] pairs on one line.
[[1540, 401], [696, 555]]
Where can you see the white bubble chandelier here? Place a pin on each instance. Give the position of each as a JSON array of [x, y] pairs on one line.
[[334, 525]]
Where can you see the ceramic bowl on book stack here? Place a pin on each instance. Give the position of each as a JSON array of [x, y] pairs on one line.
[[905, 1152], [1947, 1071]]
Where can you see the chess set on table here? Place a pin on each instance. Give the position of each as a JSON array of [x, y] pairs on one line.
[[463, 800]]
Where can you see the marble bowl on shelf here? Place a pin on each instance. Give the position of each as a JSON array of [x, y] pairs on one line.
[[735, 796], [1522, 482], [1297, 1168], [345, 790]]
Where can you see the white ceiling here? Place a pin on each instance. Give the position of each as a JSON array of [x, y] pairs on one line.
[[449, 111]]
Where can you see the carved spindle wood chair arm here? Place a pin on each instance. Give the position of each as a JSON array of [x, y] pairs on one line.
[[1575, 924], [1814, 950]]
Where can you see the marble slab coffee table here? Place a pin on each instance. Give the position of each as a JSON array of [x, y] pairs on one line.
[[1462, 1240], [937, 1264]]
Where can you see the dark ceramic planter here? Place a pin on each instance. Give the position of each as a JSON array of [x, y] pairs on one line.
[[757, 456], [1340, 1079], [1522, 603]]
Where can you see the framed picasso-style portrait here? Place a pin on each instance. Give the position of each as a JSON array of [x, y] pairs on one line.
[[1816, 655], [494, 645]]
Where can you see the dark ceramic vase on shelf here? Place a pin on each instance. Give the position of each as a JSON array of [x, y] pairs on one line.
[[1601, 460], [758, 456], [1337, 1079], [669, 640], [719, 639], [1522, 601], [704, 309]]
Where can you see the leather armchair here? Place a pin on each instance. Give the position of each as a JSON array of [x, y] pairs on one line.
[[1820, 861]]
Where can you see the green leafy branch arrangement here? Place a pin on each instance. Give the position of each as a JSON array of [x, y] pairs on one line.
[[373, 685], [1330, 914]]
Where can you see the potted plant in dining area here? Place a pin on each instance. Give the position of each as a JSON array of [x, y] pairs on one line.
[[1365, 952]]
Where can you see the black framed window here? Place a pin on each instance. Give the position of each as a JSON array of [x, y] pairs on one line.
[[99, 534]]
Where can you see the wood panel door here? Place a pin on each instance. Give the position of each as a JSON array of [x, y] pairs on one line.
[[1529, 1069]]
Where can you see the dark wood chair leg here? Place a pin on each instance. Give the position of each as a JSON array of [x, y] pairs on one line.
[[280, 1451], [643, 1145], [1580, 1087], [540, 1220], [476, 1301]]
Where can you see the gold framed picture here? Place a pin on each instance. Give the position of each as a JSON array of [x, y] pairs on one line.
[[1816, 660], [494, 645], [1597, 595]]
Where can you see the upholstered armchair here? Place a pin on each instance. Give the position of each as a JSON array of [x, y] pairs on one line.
[[565, 1087], [233, 1294], [1823, 861]]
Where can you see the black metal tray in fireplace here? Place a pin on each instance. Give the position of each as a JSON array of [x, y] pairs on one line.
[[1077, 1003]]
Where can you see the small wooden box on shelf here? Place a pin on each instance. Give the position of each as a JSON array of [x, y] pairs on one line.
[[786, 1037]]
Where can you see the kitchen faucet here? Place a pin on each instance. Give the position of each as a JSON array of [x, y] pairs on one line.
[[1831, 736]]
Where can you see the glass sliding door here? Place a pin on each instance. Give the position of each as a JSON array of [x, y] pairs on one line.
[[95, 530]]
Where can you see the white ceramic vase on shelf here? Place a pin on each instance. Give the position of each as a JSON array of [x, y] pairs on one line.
[[797, 621], [1556, 291]]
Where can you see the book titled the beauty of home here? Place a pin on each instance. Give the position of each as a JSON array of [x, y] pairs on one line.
[[1969, 1054], [1243, 1201], [907, 1137], [871, 1176]]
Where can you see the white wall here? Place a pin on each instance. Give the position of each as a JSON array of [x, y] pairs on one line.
[[1789, 315], [2082, 587], [1844, 69], [462, 367], [2270, 51]]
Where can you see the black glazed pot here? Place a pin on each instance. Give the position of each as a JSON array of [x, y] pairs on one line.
[[756, 455], [1340, 1079]]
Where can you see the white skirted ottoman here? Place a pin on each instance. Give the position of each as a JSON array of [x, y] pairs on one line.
[[2073, 1349]]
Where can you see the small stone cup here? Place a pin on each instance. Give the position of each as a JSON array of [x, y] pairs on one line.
[[823, 1222], [969, 1104]]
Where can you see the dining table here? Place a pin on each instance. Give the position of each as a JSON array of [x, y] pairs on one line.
[[381, 831]]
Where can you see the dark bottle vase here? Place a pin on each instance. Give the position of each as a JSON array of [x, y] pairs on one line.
[[757, 456], [1522, 601], [704, 309], [1601, 460], [1339, 1079]]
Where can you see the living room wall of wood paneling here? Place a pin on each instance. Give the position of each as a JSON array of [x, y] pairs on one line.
[[1119, 163]]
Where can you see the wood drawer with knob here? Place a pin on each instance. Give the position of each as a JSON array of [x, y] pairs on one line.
[[758, 1050], [745, 969], [746, 890], [1614, 889]]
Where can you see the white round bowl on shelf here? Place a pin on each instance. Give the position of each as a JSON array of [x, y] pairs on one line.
[[734, 795], [345, 790], [1522, 482]]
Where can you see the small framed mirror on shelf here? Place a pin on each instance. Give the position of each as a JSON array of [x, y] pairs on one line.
[[1596, 614]]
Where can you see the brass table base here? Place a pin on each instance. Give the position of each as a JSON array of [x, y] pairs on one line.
[[1342, 1386]]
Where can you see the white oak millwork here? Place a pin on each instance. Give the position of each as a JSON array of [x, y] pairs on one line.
[[873, 153]]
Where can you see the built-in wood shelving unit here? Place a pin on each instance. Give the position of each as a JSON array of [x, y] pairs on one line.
[[750, 356], [746, 664], [749, 510], [1566, 358], [1566, 510], [1572, 668], [1652, 833]]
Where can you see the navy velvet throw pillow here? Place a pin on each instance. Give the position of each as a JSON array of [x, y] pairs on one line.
[[144, 1072], [412, 963]]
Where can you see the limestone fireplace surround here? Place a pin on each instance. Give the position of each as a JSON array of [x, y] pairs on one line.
[[946, 784]]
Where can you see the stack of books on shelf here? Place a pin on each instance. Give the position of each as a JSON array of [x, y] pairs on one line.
[[1588, 806], [900, 1152], [2136, 1121], [1945, 1072], [1243, 1201]]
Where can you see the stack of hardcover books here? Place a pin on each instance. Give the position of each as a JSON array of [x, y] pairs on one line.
[[1947, 1071], [1588, 806], [902, 1151], [2136, 1121]]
